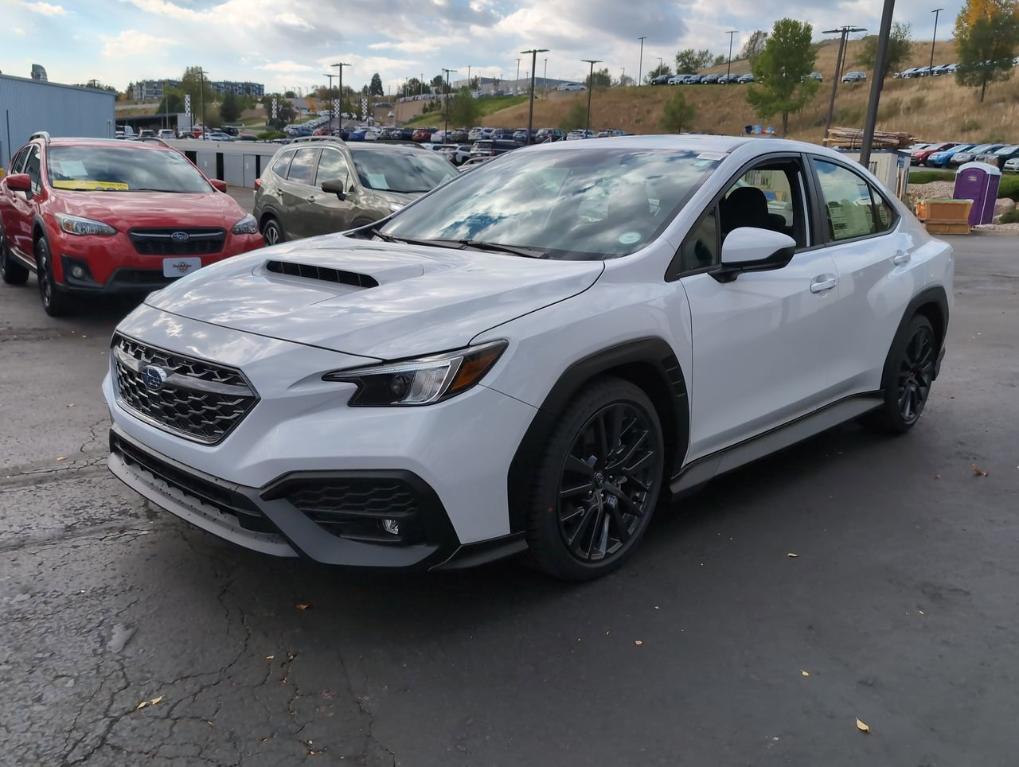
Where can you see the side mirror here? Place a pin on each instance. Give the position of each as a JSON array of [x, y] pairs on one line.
[[19, 182], [335, 186], [220, 186], [749, 249]]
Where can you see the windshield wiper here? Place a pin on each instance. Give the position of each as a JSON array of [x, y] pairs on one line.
[[516, 250], [408, 241]]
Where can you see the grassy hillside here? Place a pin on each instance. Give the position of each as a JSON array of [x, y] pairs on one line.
[[932, 108], [488, 106]]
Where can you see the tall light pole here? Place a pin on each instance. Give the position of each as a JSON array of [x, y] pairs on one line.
[[544, 78], [843, 33], [445, 99], [640, 66], [201, 96], [332, 101], [877, 83], [530, 107], [728, 66], [937, 13], [516, 83], [339, 68], [590, 89]]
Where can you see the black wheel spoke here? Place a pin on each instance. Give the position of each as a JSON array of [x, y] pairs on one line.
[[622, 528], [577, 466], [576, 490]]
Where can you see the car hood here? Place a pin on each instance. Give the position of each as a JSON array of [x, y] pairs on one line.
[[373, 299], [130, 210]]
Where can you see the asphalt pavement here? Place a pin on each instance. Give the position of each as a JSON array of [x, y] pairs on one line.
[[853, 577]]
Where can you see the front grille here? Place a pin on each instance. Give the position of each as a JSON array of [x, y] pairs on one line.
[[223, 499], [354, 507], [199, 400], [177, 242]]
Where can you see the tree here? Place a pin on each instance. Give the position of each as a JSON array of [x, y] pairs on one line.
[[754, 45], [624, 81], [195, 84], [986, 36], [659, 71], [576, 117], [600, 78], [463, 109], [173, 101], [439, 84], [899, 49], [781, 72], [285, 112], [690, 62], [678, 114], [229, 109], [290, 95], [719, 60], [376, 89]]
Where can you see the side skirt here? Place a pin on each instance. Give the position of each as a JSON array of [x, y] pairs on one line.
[[22, 258], [776, 439]]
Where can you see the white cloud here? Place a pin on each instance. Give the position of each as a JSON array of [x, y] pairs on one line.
[[131, 42], [46, 9], [285, 66]]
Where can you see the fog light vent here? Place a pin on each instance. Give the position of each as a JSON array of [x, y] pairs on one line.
[[391, 526]]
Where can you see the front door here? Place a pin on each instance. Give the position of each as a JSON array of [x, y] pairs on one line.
[[761, 343], [23, 207], [299, 193], [329, 213]]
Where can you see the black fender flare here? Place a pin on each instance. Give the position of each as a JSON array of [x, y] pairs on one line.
[[932, 303], [651, 363]]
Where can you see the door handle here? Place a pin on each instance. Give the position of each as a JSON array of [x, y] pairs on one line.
[[901, 258], [823, 283]]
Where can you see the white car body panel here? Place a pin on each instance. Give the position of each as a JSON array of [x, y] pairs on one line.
[[755, 353]]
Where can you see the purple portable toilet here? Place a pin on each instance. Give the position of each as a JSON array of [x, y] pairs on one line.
[[979, 182]]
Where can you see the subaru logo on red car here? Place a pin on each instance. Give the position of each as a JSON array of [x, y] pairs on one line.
[[153, 377], [180, 236]]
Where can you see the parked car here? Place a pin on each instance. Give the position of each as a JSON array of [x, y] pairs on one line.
[[547, 135], [999, 157], [854, 77], [572, 87], [920, 156], [816, 76], [710, 79], [971, 154], [323, 186], [744, 79], [941, 159], [166, 133], [661, 80], [1012, 165], [97, 217], [423, 134], [457, 154], [524, 361], [474, 134], [580, 133], [490, 147], [520, 136]]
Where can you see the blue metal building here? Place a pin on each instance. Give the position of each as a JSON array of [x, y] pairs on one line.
[[27, 106]]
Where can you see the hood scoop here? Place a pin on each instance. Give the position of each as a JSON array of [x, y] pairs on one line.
[[324, 273]]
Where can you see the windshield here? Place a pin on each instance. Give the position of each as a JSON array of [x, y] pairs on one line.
[[122, 169], [401, 170], [586, 204]]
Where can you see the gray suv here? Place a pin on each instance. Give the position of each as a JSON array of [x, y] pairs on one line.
[[319, 186]]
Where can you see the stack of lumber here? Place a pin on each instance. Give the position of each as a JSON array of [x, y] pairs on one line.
[[852, 138]]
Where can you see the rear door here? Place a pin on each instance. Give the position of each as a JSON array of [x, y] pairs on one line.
[[298, 193], [8, 203], [872, 259], [328, 212]]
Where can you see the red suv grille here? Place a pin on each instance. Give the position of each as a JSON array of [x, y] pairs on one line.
[[177, 242]]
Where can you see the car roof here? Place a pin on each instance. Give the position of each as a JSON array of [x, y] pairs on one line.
[[71, 141]]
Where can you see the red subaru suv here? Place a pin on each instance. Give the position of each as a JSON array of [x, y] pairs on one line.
[[100, 216]]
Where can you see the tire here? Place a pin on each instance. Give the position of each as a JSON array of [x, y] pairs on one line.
[[11, 271], [55, 301], [907, 378], [597, 482], [272, 231]]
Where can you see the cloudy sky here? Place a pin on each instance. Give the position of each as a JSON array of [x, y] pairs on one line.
[[289, 43]]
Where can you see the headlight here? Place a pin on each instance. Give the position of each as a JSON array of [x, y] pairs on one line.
[[83, 226], [246, 225], [421, 381]]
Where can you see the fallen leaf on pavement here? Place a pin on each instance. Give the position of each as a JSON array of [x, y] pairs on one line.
[[61, 458], [269, 657], [303, 605], [792, 555], [804, 673], [150, 702], [862, 726], [977, 471], [638, 642]]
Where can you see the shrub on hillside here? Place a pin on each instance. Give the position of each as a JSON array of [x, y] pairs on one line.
[[1010, 217], [1009, 187]]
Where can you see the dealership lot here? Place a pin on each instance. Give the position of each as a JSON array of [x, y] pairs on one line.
[[850, 577]]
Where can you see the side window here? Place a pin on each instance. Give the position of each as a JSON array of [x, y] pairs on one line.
[[18, 161], [332, 166], [769, 196], [852, 208], [700, 248], [282, 164], [302, 169], [32, 169]]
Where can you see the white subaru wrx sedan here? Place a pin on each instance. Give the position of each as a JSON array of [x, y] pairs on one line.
[[531, 357]]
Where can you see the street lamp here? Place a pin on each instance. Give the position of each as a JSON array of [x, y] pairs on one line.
[[844, 33], [445, 98], [530, 108], [332, 101], [877, 83], [937, 13], [339, 68], [728, 66], [640, 66], [590, 88]]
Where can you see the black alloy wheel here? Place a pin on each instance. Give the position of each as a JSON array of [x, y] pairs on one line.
[[606, 482], [597, 481], [272, 232], [916, 373], [55, 301], [11, 271]]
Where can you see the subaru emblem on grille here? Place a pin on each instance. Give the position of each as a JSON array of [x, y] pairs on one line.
[[180, 236], [153, 377]]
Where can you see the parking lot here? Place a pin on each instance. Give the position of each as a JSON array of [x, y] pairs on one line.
[[852, 577]]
